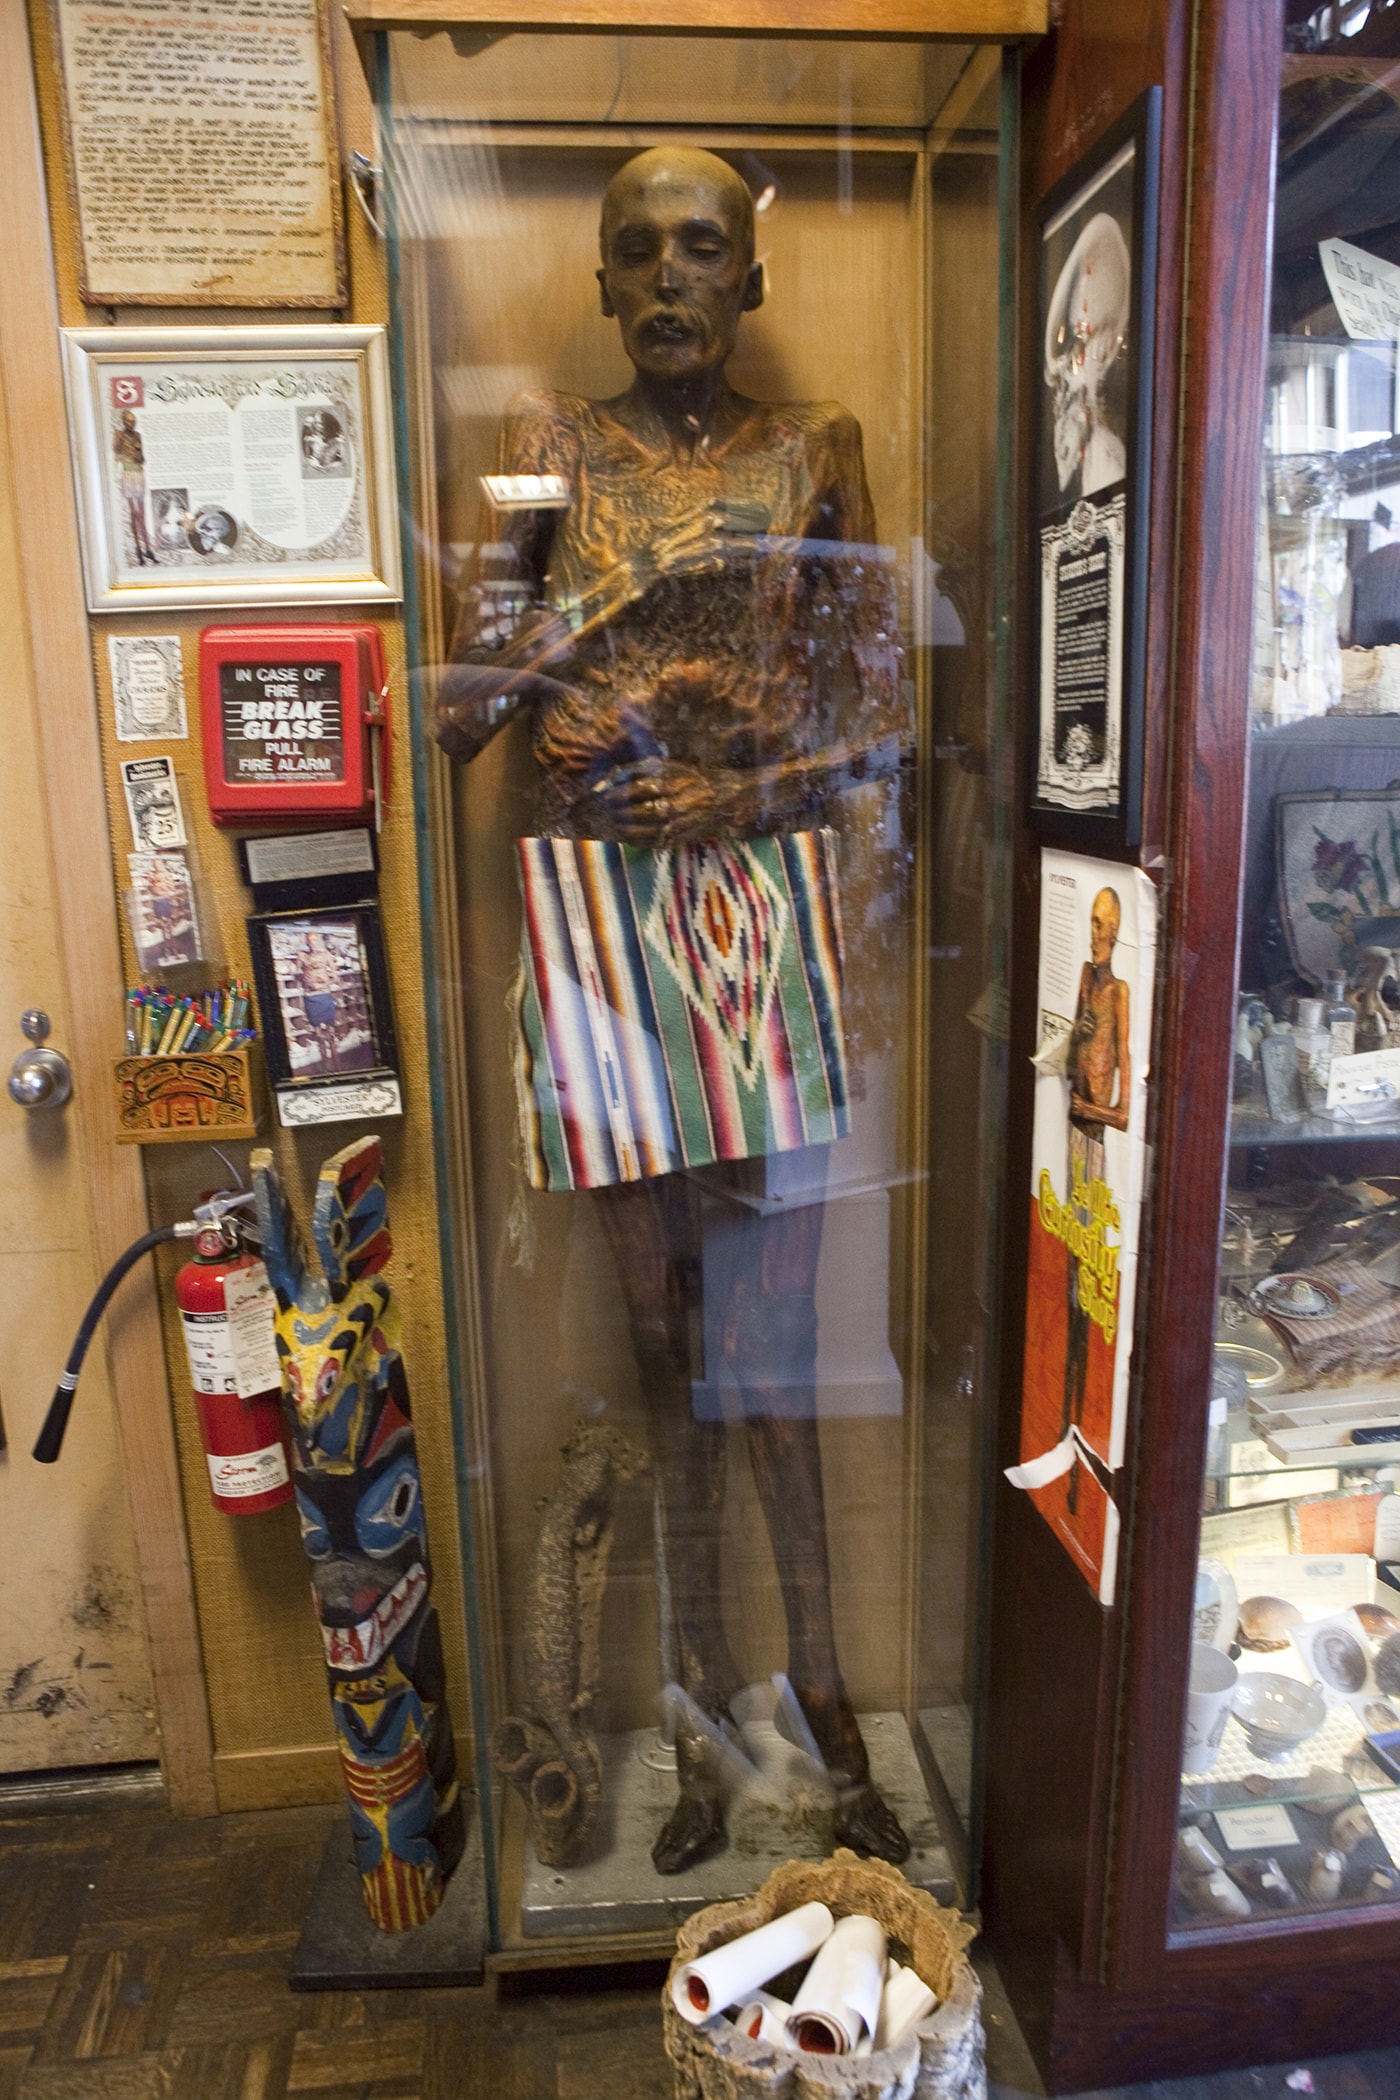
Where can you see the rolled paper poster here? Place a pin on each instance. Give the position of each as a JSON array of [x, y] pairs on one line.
[[731, 1974], [764, 2019], [907, 2000], [840, 1996]]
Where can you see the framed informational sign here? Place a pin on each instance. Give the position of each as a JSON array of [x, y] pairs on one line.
[[198, 138], [232, 466], [1097, 273]]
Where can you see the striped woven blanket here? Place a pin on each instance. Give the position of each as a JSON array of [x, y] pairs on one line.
[[677, 1007]]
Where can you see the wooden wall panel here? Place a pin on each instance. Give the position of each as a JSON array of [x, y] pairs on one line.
[[1048, 1814], [995, 20], [242, 1587]]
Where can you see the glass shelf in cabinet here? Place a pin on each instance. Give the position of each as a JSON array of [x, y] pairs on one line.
[[1336, 1458], [1252, 1126], [1332, 1763]]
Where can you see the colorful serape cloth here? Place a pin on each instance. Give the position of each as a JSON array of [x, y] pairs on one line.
[[677, 1007]]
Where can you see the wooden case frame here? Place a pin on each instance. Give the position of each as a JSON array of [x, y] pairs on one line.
[[462, 1238]]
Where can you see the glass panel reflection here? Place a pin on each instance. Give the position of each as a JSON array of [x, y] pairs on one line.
[[678, 489], [1289, 1796]]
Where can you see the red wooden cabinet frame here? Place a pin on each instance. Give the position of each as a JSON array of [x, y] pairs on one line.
[[1084, 1707]]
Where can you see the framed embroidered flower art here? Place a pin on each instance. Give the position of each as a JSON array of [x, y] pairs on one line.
[[1338, 859]]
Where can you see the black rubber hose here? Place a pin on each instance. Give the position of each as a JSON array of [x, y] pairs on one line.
[[50, 1438]]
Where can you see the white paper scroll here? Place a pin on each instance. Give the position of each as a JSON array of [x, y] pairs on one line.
[[731, 1974], [907, 1999], [840, 1997], [764, 2018]]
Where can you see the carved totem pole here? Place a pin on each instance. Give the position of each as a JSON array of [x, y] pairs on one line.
[[360, 1501]]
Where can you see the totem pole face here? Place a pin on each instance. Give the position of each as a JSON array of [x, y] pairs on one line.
[[360, 1502]]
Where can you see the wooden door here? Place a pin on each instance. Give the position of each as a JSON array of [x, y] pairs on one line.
[[96, 1550], [75, 1685]]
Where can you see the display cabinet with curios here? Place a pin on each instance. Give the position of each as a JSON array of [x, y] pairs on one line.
[[1212, 1811], [1291, 1806]]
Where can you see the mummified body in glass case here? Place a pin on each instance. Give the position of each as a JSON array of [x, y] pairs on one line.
[[690, 605]]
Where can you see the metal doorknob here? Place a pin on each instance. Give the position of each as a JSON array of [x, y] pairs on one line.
[[39, 1077]]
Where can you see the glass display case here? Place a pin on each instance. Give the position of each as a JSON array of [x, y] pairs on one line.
[[1290, 1795], [705, 612]]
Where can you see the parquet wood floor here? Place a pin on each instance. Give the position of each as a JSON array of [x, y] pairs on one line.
[[146, 1958]]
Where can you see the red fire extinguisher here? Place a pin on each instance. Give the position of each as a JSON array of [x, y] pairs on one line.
[[224, 1309]]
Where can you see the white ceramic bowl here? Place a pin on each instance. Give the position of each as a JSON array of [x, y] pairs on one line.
[[1277, 1713]]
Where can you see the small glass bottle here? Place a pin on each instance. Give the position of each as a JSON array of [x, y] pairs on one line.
[[1314, 1050], [1245, 1059], [1340, 1015]]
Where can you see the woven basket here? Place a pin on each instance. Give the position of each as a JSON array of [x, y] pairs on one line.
[[943, 2059]]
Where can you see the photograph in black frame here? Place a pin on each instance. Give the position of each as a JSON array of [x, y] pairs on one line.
[[323, 993], [1096, 286]]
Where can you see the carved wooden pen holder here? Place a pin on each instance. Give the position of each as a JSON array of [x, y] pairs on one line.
[[172, 1100]]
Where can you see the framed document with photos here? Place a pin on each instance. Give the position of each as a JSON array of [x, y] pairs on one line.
[[233, 466]]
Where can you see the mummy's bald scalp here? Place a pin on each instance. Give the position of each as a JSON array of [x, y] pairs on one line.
[[669, 172]]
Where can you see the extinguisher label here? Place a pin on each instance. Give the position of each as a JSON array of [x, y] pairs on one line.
[[252, 1339], [208, 1349], [248, 1472], [235, 1351]]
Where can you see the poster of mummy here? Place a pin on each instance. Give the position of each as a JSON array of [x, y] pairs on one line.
[[1098, 923]]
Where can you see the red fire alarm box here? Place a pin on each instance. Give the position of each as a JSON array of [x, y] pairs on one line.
[[295, 723]]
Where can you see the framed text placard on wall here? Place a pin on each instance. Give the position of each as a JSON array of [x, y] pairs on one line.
[[198, 136], [232, 466], [1097, 269]]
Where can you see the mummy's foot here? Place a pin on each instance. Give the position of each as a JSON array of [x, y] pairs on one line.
[[866, 1822], [693, 1830]]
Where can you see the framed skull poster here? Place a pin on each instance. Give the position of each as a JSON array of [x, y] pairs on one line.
[[1097, 272]]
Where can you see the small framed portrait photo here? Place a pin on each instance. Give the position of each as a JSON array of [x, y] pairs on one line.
[[323, 992]]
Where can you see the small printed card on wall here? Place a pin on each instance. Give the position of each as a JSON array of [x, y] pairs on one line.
[[164, 915], [148, 688], [153, 804]]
